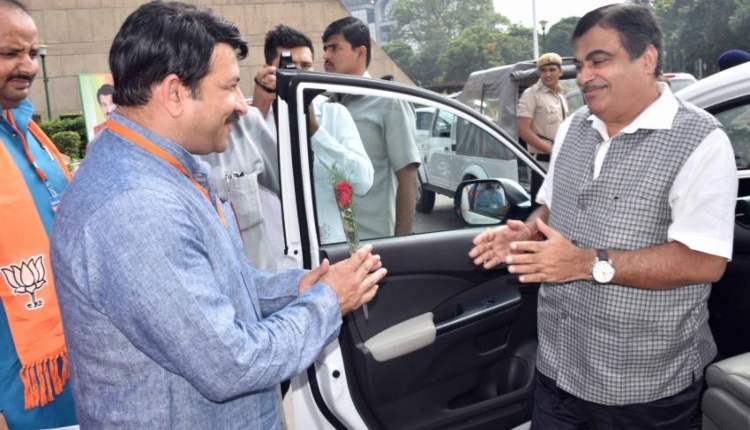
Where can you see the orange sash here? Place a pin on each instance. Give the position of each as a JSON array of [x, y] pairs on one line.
[[27, 287]]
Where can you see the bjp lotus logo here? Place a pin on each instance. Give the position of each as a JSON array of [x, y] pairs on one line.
[[27, 278]]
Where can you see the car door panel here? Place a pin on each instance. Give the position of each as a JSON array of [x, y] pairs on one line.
[[473, 367]]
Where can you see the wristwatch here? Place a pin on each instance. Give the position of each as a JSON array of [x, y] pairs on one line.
[[603, 270]]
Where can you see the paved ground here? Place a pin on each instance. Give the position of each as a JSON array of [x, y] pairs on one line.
[[441, 218]]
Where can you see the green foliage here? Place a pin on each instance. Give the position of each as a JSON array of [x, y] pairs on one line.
[[438, 40], [558, 37], [475, 49], [401, 53], [479, 47], [70, 122], [696, 32], [68, 142], [437, 21]]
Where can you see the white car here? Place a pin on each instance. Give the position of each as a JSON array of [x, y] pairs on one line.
[[443, 345], [726, 403], [678, 81]]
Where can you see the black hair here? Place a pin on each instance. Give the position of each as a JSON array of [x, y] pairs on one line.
[[105, 90], [15, 4], [161, 38], [283, 36], [353, 30], [636, 26]]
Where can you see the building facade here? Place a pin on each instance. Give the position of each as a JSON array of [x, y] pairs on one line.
[[377, 15], [78, 35]]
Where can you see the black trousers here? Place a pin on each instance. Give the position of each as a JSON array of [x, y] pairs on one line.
[[555, 409]]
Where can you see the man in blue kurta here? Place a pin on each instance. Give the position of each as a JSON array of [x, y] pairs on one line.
[[169, 326], [32, 178]]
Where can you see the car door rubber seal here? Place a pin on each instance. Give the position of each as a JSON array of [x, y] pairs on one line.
[[322, 407]]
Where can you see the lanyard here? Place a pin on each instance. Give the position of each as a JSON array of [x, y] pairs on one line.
[[138, 139], [54, 195]]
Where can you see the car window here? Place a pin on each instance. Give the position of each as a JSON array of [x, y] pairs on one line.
[[368, 143], [424, 119], [736, 122], [443, 125]]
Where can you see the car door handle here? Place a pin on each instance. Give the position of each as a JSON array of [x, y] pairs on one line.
[[477, 312], [402, 338]]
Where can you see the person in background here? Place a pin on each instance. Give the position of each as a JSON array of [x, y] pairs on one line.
[[34, 388], [387, 130], [247, 172], [104, 98], [542, 107], [168, 324], [636, 221], [732, 57]]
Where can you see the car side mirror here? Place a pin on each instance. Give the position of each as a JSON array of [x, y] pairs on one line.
[[482, 202]]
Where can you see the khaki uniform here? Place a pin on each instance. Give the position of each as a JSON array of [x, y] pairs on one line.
[[546, 109]]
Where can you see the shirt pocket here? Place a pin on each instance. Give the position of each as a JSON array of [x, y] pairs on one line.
[[553, 114], [245, 196]]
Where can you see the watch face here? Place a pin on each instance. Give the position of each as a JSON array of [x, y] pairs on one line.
[[603, 272]]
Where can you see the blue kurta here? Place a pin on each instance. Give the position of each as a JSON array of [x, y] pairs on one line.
[[168, 326]]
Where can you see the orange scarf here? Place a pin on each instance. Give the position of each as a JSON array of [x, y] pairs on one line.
[[27, 288]]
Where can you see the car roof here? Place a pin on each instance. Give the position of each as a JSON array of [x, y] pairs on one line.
[[718, 88], [679, 75]]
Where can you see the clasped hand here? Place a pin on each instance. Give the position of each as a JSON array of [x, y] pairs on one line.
[[354, 280]]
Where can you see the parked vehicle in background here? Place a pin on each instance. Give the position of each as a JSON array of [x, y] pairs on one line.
[[424, 117], [726, 403], [455, 153], [678, 81]]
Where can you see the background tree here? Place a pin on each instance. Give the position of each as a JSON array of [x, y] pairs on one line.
[[452, 38], [401, 53], [424, 21], [558, 37], [696, 32]]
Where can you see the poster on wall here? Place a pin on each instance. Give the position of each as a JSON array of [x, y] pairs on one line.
[[96, 99]]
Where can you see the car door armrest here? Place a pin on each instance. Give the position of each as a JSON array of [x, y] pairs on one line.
[[402, 338]]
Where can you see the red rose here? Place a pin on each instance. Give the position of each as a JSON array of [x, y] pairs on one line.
[[343, 194]]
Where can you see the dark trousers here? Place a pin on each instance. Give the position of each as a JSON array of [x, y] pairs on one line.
[[555, 409]]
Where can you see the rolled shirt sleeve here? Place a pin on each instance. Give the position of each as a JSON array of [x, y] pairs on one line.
[[400, 135], [703, 198], [526, 104]]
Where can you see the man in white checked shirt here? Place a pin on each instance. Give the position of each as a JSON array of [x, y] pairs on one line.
[[636, 221]]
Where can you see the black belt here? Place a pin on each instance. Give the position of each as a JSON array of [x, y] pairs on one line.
[[542, 157]]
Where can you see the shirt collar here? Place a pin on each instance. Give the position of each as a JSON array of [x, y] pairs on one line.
[[190, 162], [659, 115], [21, 114], [540, 85]]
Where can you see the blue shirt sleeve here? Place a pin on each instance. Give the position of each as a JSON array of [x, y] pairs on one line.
[[163, 293]]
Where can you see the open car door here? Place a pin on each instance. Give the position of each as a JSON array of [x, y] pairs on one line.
[[444, 344]]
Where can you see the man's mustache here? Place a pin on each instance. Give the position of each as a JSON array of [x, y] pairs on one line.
[[590, 87], [21, 76]]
